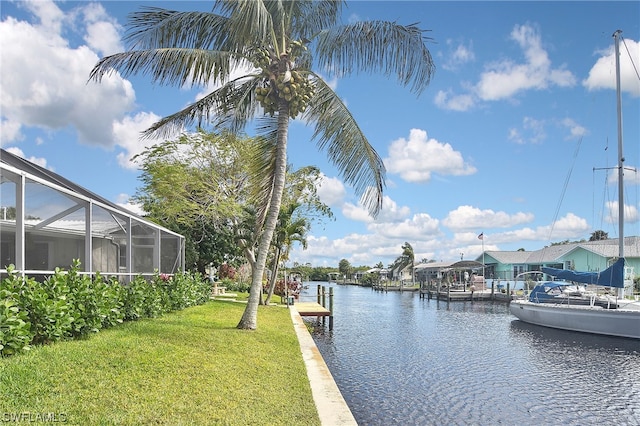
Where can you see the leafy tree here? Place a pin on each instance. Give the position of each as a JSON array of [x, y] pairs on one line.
[[321, 273], [196, 185], [304, 270], [279, 41], [344, 267], [560, 243], [598, 236]]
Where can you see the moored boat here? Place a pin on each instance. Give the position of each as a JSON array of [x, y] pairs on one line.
[[550, 305]]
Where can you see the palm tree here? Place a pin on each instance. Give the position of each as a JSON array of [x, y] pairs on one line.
[[278, 42], [407, 258], [288, 230]]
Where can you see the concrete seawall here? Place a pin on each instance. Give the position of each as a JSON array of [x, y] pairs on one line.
[[332, 408]]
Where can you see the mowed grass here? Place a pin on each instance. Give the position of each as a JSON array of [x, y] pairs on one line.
[[192, 367]]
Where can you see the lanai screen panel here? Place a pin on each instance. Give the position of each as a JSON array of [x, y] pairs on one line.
[[171, 253], [55, 228], [49, 226], [7, 219], [144, 248], [109, 241]]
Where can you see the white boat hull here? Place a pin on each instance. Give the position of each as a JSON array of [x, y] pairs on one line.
[[586, 319]]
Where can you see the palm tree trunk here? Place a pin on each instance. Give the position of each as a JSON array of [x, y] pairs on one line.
[[274, 276], [249, 320]]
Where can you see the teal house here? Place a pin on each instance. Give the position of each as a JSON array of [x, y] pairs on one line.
[[587, 256]]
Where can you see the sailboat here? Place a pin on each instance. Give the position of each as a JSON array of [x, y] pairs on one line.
[[618, 317]]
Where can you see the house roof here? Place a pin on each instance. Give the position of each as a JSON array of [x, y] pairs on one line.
[[507, 257], [433, 265], [606, 248]]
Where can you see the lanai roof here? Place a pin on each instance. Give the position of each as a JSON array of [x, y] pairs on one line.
[[49, 176]]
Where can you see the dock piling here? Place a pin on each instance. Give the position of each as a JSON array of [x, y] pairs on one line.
[[331, 308]]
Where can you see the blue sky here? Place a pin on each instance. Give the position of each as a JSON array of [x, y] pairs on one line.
[[503, 142]]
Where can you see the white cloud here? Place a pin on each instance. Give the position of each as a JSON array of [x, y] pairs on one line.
[[126, 134], [611, 213], [458, 55], [390, 212], [9, 131], [576, 131], [356, 212], [418, 157], [331, 191], [602, 74], [533, 131], [50, 17], [449, 101], [504, 79], [124, 202], [568, 227], [419, 226], [42, 162], [358, 249], [384, 240], [472, 218], [103, 32], [44, 81]]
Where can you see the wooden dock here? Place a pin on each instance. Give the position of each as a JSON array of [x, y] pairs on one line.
[[317, 309], [451, 296], [311, 309]]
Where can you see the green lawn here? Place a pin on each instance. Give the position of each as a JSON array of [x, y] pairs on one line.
[[191, 367]]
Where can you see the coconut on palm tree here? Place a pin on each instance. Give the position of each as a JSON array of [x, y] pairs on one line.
[[278, 44]]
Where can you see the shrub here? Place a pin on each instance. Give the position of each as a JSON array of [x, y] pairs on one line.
[[72, 305], [232, 285], [111, 295], [83, 301], [15, 332], [226, 271], [49, 310], [280, 289]]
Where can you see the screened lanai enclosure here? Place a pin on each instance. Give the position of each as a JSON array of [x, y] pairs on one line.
[[47, 221]]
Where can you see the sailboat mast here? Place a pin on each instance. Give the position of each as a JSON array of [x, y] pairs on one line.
[[616, 37]]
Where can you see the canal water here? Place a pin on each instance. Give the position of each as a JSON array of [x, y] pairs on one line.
[[399, 360]]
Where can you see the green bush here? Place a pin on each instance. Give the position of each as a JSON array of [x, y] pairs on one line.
[[49, 309], [134, 297], [111, 294], [71, 305], [15, 332], [232, 285], [83, 301]]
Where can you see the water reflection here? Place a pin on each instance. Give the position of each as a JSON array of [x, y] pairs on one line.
[[399, 359]]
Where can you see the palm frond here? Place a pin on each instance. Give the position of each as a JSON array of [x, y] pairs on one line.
[[240, 104], [153, 28], [172, 66], [347, 147], [262, 163], [231, 106], [309, 17], [249, 22], [372, 46]]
